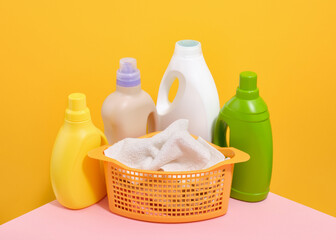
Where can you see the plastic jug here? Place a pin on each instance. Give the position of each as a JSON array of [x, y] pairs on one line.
[[196, 98], [129, 111], [247, 116], [77, 180]]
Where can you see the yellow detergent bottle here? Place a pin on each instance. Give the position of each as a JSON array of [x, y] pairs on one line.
[[77, 180]]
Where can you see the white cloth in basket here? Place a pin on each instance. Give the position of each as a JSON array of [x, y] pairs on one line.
[[174, 149]]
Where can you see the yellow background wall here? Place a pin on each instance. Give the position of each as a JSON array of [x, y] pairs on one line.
[[49, 49]]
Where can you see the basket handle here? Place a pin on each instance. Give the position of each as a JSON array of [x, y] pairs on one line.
[[239, 156], [98, 153]]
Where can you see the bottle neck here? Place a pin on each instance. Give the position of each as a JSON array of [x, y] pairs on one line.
[[247, 94], [77, 116], [129, 90], [188, 48], [79, 124]]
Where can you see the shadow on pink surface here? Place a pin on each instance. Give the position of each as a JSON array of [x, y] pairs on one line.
[[102, 203]]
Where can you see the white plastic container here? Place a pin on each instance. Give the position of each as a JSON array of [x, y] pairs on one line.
[[129, 111], [196, 98]]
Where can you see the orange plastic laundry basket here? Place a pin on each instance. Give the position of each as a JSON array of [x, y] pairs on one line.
[[173, 197]]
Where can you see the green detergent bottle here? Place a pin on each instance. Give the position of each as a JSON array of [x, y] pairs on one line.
[[247, 116]]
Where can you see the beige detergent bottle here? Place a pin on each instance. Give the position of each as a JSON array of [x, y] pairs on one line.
[[129, 111]]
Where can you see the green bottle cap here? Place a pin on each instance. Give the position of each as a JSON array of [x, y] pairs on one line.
[[248, 81], [248, 86]]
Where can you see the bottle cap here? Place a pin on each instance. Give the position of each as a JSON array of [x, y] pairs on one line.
[[248, 81], [77, 110], [128, 75], [247, 85]]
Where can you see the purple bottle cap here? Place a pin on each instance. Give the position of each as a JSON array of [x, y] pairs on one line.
[[128, 75]]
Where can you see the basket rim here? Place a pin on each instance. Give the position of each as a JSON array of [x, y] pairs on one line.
[[236, 156]]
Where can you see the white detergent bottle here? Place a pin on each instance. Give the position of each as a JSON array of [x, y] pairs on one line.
[[196, 98]]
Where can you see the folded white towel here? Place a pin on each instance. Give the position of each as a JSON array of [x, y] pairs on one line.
[[174, 149]]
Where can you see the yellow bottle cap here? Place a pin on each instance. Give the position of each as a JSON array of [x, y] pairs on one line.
[[77, 110]]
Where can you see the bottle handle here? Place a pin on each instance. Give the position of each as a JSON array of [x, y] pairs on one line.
[[167, 81], [103, 137], [152, 122], [220, 132]]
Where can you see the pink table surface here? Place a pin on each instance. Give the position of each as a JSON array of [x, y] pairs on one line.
[[274, 218]]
